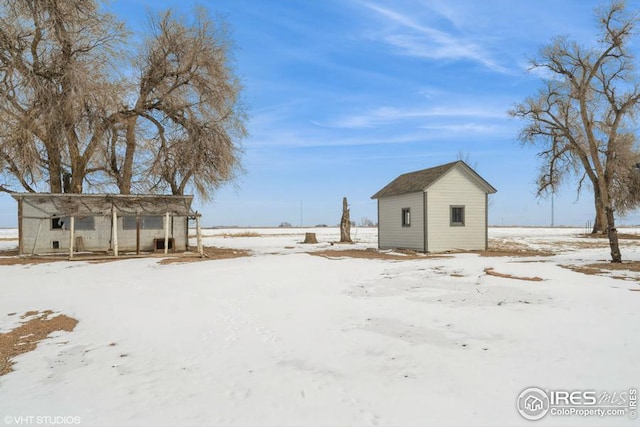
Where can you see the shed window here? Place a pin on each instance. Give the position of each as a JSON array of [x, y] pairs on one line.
[[57, 223], [128, 222], [80, 223], [406, 217], [85, 223], [155, 222], [457, 215]]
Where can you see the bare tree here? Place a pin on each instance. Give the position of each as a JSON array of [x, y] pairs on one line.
[[366, 222], [188, 117], [53, 76], [172, 121], [582, 116]]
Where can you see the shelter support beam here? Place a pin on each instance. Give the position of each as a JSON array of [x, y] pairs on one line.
[[72, 237], [114, 225], [166, 233], [198, 235]]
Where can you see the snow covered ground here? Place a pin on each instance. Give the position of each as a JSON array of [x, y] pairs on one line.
[[284, 338]]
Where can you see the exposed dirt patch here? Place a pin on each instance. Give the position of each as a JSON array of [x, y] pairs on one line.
[[492, 272], [621, 236], [12, 258], [239, 234], [8, 239], [210, 253], [26, 337], [593, 241], [514, 253], [607, 269], [374, 254], [501, 248]]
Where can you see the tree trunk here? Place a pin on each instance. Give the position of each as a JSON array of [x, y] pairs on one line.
[[77, 180], [612, 233], [345, 223], [600, 223], [54, 167], [126, 172]]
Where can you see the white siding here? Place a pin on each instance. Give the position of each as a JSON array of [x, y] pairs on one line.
[[391, 232], [127, 238], [457, 189], [38, 235]]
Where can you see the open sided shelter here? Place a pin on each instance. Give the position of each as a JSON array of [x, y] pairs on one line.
[[108, 223], [434, 210]]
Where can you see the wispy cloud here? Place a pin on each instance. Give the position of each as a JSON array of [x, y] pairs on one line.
[[465, 128], [416, 39], [388, 115]]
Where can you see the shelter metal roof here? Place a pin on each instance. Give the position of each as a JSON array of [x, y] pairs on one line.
[[104, 204]]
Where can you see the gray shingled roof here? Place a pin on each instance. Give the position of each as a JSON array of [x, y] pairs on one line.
[[417, 181]]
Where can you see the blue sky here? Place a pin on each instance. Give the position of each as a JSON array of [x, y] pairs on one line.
[[344, 95]]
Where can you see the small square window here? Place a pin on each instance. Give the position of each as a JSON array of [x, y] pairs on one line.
[[457, 215], [406, 217], [58, 223]]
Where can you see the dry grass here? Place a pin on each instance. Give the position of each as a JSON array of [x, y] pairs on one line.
[[492, 272], [514, 253], [501, 248], [239, 234], [606, 269], [12, 258], [26, 337], [621, 236], [210, 253], [374, 254]]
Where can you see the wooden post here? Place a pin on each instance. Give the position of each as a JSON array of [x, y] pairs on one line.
[[166, 233], [198, 235], [72, 231], [137, 234], [20, 229], [114, 221]]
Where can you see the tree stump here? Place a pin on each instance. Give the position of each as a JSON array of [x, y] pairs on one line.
[[310, 238], [345, 223]]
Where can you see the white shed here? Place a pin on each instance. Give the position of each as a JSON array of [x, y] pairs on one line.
[[107, 223], [438, 209]]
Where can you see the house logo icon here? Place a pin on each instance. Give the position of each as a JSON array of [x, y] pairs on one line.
[[533, 403]]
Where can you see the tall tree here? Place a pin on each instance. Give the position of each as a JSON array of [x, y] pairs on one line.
[[172, 121], [53, 78], [582, 118], [187, 116]]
